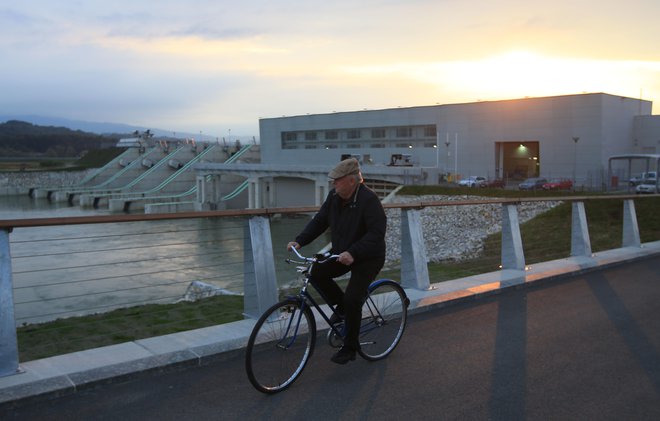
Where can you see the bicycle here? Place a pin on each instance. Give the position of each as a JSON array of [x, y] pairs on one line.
[[284, 337]]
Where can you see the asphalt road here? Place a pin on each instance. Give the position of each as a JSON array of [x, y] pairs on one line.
[[587, 348]]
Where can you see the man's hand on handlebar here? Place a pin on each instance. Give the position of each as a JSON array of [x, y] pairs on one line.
[[291, 245], [345, 258]]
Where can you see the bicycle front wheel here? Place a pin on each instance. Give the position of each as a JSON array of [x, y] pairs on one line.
[[384, 316], [280, 346]]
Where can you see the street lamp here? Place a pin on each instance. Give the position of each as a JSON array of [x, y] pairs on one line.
[[575, 140], [447, 143]]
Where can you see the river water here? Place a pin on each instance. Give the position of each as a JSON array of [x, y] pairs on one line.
[[70, 270]]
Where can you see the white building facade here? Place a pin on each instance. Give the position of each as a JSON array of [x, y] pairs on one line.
[[568, 136]]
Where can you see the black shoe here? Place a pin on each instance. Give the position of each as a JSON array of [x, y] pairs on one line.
[[343, 356], [336, 319]]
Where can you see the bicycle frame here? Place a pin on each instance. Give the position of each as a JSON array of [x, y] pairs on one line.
[[306, 299]]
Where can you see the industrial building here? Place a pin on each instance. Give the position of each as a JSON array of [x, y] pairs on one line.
[[570, 136]]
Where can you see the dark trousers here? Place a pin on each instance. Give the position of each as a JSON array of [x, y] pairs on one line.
[[349, 302]]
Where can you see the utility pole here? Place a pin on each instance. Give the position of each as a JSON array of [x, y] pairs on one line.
[[575, 140]]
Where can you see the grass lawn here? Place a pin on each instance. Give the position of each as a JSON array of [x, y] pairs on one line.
[[124, 325]]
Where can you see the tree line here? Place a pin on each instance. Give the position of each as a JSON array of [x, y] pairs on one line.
[[22, 139]]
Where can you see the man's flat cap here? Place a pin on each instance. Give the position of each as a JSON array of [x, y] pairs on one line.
[[345, 167]]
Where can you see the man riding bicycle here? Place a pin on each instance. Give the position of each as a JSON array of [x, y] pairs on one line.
[[357, 222]]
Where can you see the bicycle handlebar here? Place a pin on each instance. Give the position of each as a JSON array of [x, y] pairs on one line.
[[311, 259]]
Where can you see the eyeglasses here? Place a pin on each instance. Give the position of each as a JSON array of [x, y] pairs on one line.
[[338, 180]]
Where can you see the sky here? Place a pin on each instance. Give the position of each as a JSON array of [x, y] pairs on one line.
[[216, 67]]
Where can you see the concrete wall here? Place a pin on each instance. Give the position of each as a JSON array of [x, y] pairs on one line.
[[646, 138], [291, 192]]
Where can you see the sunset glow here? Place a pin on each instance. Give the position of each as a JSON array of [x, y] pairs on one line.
[[215, 66]]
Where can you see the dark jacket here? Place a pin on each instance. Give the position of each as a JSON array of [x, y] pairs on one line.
[[357, 226]]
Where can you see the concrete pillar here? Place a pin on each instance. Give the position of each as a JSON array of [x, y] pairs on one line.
[[251, 192], [201, 191], [258, 194], [255, 195], [216, 190], [630, 227], [8, 342], [580, 242], [271, 192], [512, 250], [320, 192], [260, 283], [414, 262]]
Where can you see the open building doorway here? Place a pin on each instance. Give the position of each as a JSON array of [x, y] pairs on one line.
[[517, 160]]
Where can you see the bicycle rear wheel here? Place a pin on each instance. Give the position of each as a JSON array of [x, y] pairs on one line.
[[280, 346], [384, 316]]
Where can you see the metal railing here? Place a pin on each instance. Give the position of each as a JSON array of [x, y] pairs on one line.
[[64, 267]]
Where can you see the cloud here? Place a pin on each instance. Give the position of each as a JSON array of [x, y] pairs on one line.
[[519, 74], [209, 63]]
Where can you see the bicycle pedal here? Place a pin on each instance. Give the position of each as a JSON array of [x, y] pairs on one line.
[[334, 340]]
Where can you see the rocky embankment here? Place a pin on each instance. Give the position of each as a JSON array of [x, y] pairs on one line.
[[454, 232], [23, 180]]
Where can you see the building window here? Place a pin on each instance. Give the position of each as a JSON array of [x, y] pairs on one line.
[[353, 146], [404, 132], [377, 145], [289, 136], [331, 146], [377, 133], [429, 131], [430, 145], [403, 145], [310, 146], [332, 135], [353, 134], [310, 135]]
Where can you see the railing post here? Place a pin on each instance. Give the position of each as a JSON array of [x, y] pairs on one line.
[[630, 227], [512, 250], [260, 283], [580, 242], [414, 263], [8, 342]]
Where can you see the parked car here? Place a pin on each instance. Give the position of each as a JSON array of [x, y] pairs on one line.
[[473, 181], [649, 177], [495, 183], [646, 187], [558, 184], [535, 183]]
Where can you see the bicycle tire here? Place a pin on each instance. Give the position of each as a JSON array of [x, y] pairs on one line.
[[384, 317], [281, 343]]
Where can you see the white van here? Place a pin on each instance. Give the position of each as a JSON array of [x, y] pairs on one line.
[[644, 178]]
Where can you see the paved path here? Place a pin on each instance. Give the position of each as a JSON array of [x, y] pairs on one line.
[[585, 348]]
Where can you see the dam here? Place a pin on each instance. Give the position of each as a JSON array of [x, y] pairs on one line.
[[155, 177]]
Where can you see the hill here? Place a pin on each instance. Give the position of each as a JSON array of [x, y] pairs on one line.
[[111, 129], [86, 126], [22, 139]]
